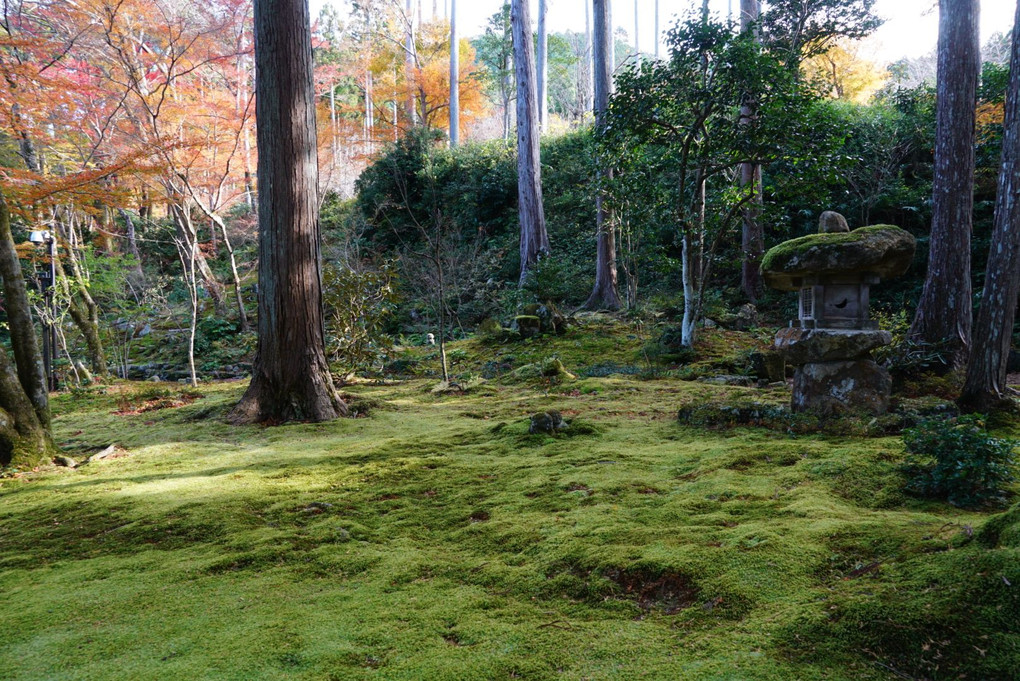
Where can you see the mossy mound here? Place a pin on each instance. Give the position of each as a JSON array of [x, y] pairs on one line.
[[883, 250], [951, 612]]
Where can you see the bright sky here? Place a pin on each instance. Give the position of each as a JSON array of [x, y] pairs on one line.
[[911, 28]]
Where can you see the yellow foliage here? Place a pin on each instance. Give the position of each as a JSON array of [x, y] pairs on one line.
[[990, 116], [844, 73]]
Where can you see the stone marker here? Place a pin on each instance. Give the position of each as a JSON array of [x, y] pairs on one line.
[[832, 222]]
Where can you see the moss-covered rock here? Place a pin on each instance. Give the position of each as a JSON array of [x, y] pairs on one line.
[[882, 250]]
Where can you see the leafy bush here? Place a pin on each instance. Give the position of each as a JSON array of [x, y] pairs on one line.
[[958, 460], [357, 306]]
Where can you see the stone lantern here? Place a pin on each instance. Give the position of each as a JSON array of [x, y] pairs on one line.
[[832, 272]]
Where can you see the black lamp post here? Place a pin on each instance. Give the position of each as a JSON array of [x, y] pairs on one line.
[[47, 278]]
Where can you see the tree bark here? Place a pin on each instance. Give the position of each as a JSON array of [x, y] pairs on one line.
[[543, 68], [985, 387], [752, 242], [24, 401], [84, 311], [137, 272], [187, 233], [534, 238], [290, 376], [24, 343], [605, 295], [944, 310], [454, 77]]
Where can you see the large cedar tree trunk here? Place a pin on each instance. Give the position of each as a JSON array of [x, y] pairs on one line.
[[752, 242], [290, 377], [534, 238], [24, 402], [944, 311], [605, 295], [985, 387]]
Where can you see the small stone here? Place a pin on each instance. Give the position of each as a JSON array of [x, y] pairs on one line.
[[154, 379], [740, 381], [831, 222], [529, 326], [747, 317], [768, 366], [67, 461], [547, 422]]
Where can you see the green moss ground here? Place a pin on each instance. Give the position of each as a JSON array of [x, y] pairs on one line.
[[437, 539]]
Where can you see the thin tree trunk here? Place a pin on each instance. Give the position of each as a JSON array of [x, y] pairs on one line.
[[944, 310], [752, 242], [186, 253], [658, 34], [542, 50], [688, 274], [242, 315], [985, 387], [589, 56], [409, 52], [604, 295], [84, 312], [454, 77], [290, 378], [534, 238], [189, 235], [132, 238]]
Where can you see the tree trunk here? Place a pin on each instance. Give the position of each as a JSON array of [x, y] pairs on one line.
[[24, 401], [752, 242], [543, 68], [84, 312], [81, 305], [605, 295], [217, 222], [944, 310], [657, 30], [534, 238], [24, 343], [137, 273], [409, 52], [985, 387], [186, 253], [187, 233], [688, 268], [290, 377], [454, 77]]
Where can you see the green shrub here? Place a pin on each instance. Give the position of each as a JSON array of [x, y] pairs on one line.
[[958, 460], [357, 306]]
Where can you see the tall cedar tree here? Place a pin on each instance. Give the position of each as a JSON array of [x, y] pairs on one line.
[[752, 242], [944, 311], [605, 295], [290, 378], [24, 404], [534, 238], [985, 387]]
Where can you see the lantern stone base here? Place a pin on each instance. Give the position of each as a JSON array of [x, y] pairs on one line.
[[801, 346], [831, 388]]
